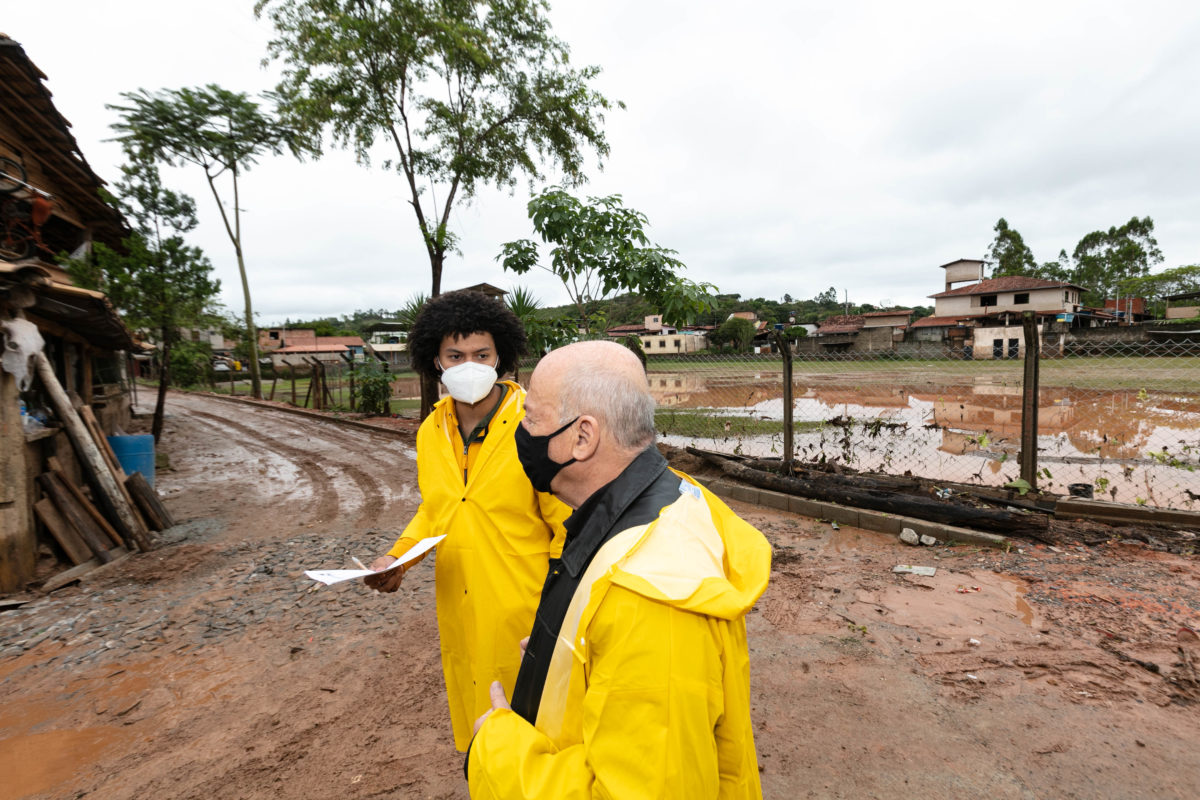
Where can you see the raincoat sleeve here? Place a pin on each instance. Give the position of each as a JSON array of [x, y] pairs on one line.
[[418, 528], [555, 513], [652, 701]]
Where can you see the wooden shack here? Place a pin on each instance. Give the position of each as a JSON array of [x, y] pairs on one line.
[[50, 203]]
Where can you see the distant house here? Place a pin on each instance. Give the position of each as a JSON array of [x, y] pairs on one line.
[[1126, 309], [485, 288], [983, 317], [898, 318], [326, 349], [1183, 309], [660, 339]]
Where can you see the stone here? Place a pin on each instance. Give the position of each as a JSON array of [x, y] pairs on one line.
[[928, 540], [909, 536]]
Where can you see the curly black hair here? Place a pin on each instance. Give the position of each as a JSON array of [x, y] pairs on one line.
[[463, 313]]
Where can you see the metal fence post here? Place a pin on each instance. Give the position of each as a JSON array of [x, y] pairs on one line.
[[1029, 399], [789, 430]]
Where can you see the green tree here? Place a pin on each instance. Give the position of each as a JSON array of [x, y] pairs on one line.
[[159, 283], [736, 332], [222, 132], [1008, 254], [600, 247], [543, 332], [465, 94], [1176, 280], [1104, 259]]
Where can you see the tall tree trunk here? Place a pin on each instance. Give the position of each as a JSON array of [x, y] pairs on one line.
[[429, 385], [251, 330], [163, 379]]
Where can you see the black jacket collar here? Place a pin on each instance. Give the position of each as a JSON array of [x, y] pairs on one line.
[[588, 527]]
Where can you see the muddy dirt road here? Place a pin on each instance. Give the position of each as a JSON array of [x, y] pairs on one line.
[[209, 668]]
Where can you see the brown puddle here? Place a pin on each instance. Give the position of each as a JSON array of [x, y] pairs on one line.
[[36, 762]]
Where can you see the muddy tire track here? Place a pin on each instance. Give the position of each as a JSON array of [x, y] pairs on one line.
[[373, 491], [325, 501]]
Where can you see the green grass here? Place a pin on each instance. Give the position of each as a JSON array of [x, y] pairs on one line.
[[1163, 373], [708, 425]]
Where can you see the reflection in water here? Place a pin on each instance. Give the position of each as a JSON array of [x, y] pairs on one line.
[[1133, 446]]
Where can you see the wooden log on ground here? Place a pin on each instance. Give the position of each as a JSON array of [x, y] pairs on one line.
[[84, 503], [1121, 514], [90, 456], [149, 501], [1031, 525], [62, 531], [67, 506], [116, 555]]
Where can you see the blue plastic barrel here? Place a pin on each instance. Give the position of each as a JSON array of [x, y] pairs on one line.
[[136, 454]]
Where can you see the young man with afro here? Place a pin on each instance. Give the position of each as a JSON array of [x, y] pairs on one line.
[[500, 532]]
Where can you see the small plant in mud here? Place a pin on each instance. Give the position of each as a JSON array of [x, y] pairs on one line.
[[373, 388]]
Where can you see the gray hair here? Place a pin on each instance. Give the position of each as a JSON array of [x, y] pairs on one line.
[[620, 401]]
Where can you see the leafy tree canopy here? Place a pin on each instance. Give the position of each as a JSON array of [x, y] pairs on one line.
[[221, 131], [1009, 255], [598, 247]]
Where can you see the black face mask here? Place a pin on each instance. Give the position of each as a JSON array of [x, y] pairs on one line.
[[534, 454]]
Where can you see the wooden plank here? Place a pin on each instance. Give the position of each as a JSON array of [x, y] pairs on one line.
[[147, 500], [86, 504], [110, 457], [66, 536], [86, 569], [90, 455], [1075, 508], [152, 497], [95, 538], [102, 443]]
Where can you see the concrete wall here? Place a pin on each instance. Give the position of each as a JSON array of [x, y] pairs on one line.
[[1183, 312]]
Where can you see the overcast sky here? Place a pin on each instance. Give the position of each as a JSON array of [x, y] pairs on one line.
[[780, 147]]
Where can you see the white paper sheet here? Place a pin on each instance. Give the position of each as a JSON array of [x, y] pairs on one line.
[[332, 576]]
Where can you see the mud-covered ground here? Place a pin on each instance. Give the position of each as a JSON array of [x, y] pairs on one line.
[[210, 668]]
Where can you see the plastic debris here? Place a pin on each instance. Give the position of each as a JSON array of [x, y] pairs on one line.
[[967, 589], [909, 569]]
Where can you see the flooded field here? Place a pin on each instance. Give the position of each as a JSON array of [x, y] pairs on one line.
[[1130, 445]]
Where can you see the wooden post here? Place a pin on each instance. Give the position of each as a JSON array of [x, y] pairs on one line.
[[789, 430], [274, 380], [232, 387], [18, 542], [292, 374], [351, 361], [108, 491], [1029, 400]]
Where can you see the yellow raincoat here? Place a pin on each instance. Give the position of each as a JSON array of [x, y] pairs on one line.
[[492, 563], [647, 690]]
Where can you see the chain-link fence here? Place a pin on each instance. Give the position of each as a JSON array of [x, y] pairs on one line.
[[1119, 421]]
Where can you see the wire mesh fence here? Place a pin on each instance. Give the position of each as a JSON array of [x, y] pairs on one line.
[[1121, 422]]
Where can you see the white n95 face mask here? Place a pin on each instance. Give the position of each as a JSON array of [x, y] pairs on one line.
[[469, 382]]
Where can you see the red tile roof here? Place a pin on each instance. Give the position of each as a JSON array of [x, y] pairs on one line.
[[312, 348], [1009, 283], [937, 322], [888, 313]]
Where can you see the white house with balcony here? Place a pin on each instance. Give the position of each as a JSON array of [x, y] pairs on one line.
[[985, 313]]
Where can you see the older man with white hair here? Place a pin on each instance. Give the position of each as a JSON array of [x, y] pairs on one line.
[[635, 682]]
